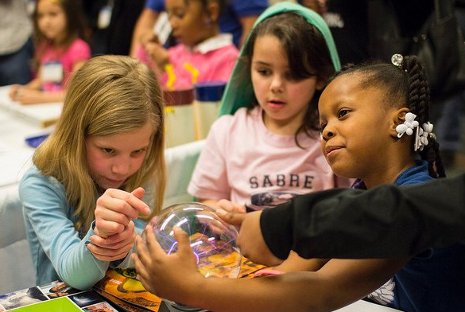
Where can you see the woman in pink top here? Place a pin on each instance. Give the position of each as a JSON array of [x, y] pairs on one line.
[[202, 54], [60, 50], [273, 144]]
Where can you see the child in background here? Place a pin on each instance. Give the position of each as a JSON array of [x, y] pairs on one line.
[[60, 51], [364, 112], [272, 144], [107, 145], [202, 55]]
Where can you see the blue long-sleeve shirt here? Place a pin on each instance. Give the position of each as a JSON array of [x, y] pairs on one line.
[[58, 251]]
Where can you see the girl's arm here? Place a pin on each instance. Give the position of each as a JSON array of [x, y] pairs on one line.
[[158, 55], [175, 277], [31, 96], [17, 92], [293, 261], [397, 221], [50, 228], [31, 93], [143, 29], [34, 84]]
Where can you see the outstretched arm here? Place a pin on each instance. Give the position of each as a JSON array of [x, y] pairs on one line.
[[143, 29], [387, 221], [175, 277]]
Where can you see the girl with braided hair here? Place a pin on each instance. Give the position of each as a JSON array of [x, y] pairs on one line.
[[374, 126], [406, 95]]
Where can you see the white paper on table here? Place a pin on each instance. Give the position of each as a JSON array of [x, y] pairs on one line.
[[13, 164], [43, 114]]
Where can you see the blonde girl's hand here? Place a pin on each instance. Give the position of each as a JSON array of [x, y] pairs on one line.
[[115, 209], [114, 247], [162, 274]]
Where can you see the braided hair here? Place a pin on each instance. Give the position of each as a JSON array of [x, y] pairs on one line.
[[404, 85]]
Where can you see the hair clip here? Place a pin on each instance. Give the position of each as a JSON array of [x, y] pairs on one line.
[[422, 135], [408, 125], [397, 60]]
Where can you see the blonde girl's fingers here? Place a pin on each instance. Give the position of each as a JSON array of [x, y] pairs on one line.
[[131, 205], [111, 251], [138, 192], [105, 228], [98, 241], [104, 254], [114, 209], [126, 234]]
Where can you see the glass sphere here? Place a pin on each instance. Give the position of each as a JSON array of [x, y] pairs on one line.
[[212, 240]]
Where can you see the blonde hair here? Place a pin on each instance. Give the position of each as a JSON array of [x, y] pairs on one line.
[[108, 95]]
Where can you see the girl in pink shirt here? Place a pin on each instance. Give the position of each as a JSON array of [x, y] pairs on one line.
[[60, 50], [202, 54], [273, 144]]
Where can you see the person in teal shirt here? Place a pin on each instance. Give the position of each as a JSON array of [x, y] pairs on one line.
[[85, 191]]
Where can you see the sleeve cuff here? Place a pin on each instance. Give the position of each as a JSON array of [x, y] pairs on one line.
[[275, 224]]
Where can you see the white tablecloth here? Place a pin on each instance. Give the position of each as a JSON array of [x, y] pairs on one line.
[[16, 266]]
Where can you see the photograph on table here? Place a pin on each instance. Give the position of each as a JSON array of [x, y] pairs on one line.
[[100, 307], [21, 298]]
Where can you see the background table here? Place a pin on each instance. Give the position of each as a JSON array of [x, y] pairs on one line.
[[15, 125]]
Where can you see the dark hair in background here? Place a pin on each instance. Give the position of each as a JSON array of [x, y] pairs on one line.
[[405, 85], [221, 4], [307, 55]]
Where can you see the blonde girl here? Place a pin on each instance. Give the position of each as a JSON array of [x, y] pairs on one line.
[[83, 194]]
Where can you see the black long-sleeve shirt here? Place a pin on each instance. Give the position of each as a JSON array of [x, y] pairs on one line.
[[387, 221]]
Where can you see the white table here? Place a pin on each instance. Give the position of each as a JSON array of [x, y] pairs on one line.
[[365, 306], [16, 123]]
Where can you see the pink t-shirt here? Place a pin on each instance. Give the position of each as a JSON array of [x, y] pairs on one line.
[[213, 60], [242, 157], [78, 51]]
